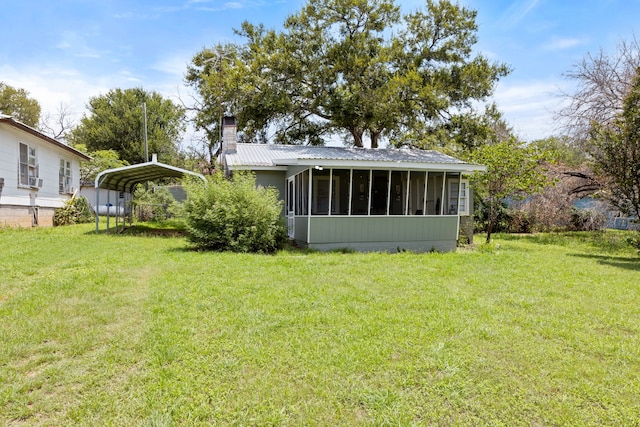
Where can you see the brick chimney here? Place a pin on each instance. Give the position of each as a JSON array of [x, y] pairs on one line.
[[229, 135]]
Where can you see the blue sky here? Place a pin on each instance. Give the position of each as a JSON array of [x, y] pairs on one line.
[[67, 51]]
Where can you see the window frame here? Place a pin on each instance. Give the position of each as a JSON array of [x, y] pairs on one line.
[[65, 176], [28, 168]]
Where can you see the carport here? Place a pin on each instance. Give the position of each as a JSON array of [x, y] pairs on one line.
[[124, 179]]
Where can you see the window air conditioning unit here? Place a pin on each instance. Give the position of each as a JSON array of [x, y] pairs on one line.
[[35, 182]]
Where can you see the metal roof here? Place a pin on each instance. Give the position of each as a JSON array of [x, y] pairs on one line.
[[275, 156], [126, 177], [19, 125]]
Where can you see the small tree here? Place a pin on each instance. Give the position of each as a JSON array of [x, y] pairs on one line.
[[513, 171], [616, 155], [76, 210], [233, 215]]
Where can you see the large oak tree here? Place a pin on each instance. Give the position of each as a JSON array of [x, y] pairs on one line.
[[356, 67]]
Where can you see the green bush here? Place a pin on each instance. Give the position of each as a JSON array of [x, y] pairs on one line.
[[154, 203], [234, 215], [587, 220], [75, 211]]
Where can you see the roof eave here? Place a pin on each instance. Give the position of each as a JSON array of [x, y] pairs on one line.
[[387, 164], [19, 125]]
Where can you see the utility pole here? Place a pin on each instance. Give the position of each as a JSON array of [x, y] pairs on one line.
[[217, 59], [144, 125]]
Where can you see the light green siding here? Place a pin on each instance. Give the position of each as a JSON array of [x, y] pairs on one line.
[[420, 233], [275, 179], [300, 232], [272, 179]]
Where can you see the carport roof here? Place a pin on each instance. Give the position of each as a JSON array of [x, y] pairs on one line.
[[126, 177]]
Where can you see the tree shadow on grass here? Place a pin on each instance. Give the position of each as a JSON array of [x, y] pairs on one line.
[[145, 231], [628, 263]]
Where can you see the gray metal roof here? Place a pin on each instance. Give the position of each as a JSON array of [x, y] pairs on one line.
[[267, 156]]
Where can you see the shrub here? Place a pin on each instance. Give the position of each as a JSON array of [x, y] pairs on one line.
[[503, 221], [234, 215], [154, 204], [75, 211], [634, 241], [587, 220]]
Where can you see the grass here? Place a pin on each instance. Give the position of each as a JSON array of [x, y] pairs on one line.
[[136, 329]]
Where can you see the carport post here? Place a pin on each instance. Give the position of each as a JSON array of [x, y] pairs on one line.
[[97, 207], [108, 208]]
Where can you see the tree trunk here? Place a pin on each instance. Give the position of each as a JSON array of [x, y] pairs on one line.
[[357, 137], [490, 224], [375, 136]]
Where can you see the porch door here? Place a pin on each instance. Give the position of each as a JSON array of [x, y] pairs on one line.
[[291, 207]]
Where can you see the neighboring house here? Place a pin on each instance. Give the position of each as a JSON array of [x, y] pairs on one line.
[[360, 199], [37, 174]]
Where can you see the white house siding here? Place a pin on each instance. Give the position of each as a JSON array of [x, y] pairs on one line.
[[24, 206]]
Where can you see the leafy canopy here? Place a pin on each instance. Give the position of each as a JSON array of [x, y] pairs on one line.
[[615, 150], [514, 170], [115, 122], [17, 103], [359, 68]]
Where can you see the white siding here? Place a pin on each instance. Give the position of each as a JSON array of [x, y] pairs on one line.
[[48, 159]]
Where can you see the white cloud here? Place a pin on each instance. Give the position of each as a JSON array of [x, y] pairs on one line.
[[558, 43], [53, 85], [518, 11], [175, 64], [530, 107]]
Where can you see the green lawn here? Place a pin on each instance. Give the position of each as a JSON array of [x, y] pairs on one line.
[[137, 330]]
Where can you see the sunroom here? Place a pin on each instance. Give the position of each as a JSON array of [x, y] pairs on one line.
[[376, 208], [362, 199]]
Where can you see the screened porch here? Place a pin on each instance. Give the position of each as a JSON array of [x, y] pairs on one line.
[[412, 209]]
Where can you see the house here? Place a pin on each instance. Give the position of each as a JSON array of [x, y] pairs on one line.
[[360, 199], [37, 174]]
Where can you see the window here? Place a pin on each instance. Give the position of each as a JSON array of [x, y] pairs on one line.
[[458, 197], [64, 181], [28, 167], [463, 201]]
